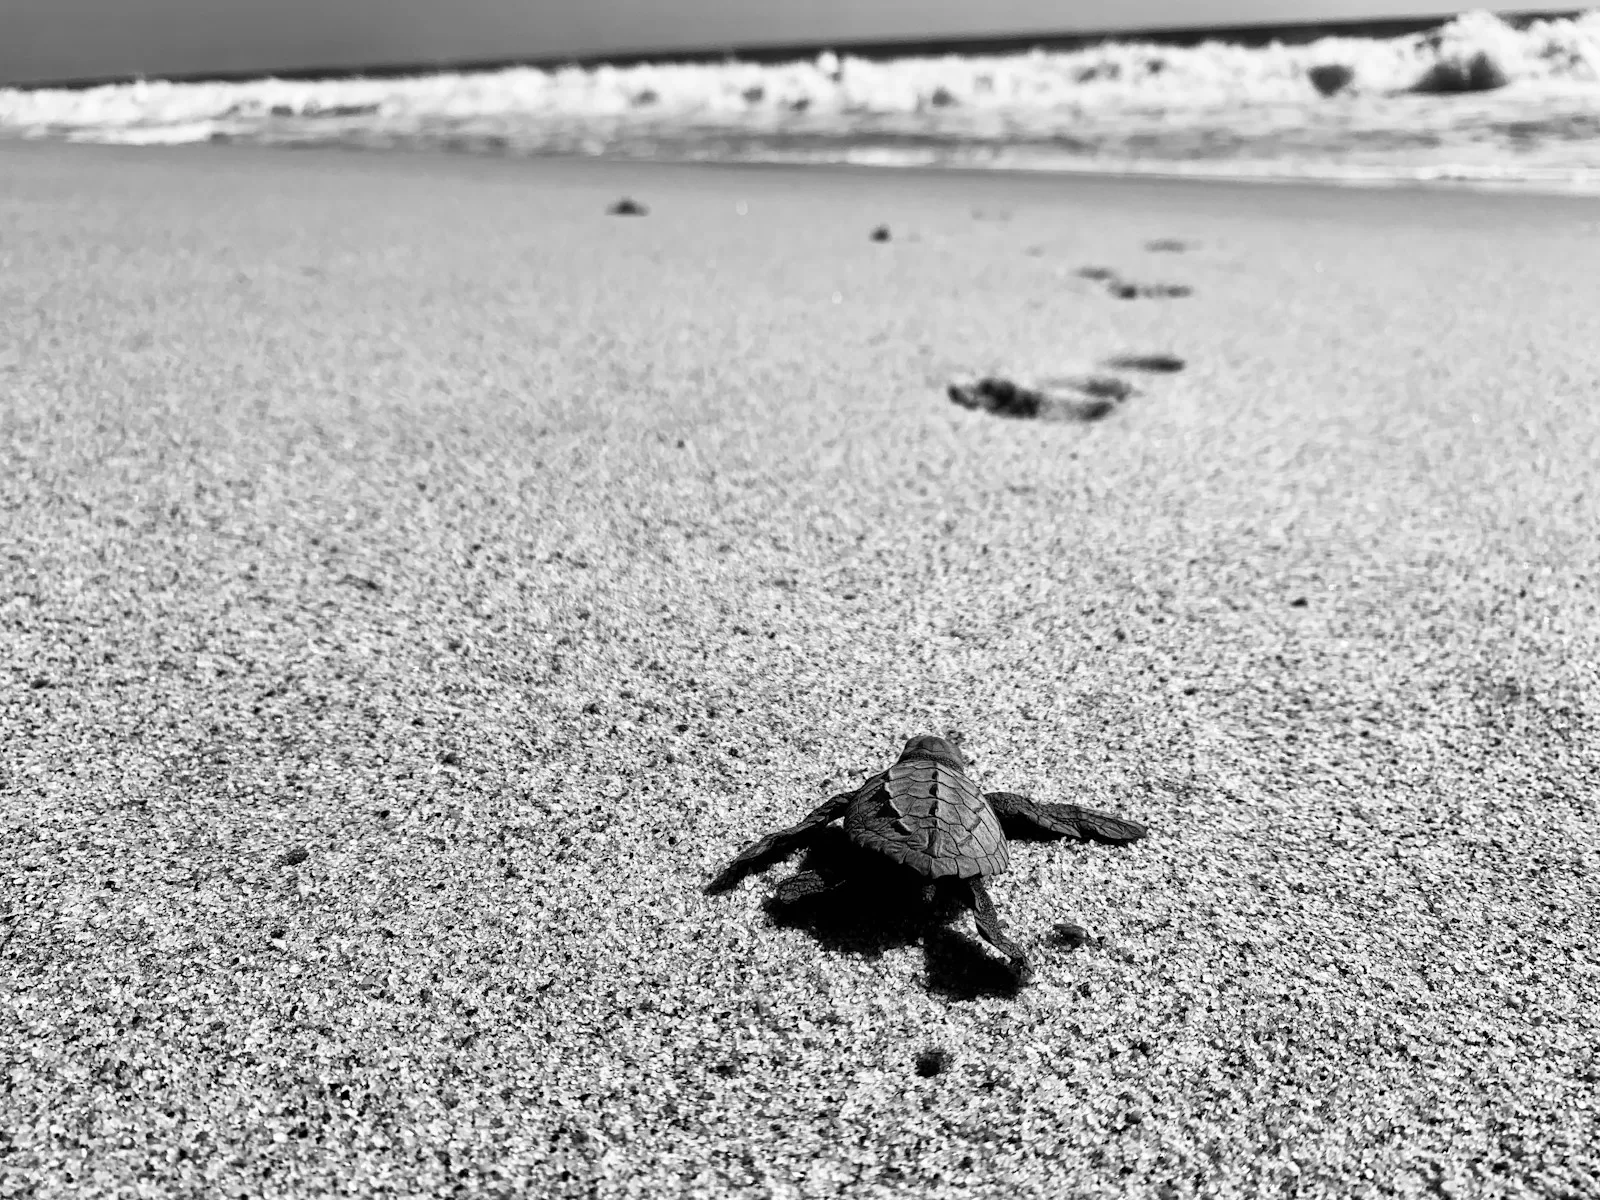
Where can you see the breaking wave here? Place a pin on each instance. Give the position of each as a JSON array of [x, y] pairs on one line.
[[1474, 99]]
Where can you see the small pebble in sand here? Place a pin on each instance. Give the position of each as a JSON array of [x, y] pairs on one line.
[[933, 1061], [294, 858], [1072, 936], [627, 207], [880, 233]]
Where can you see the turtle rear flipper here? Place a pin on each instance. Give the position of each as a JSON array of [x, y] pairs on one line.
[[1067, 820], [989, 926], [777, 844]]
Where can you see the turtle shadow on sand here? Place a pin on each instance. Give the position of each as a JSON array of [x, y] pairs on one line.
[[876, 907]]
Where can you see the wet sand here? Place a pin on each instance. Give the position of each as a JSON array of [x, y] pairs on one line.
[[417, 583]]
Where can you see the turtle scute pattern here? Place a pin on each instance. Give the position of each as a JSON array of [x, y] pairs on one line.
[[929, 816]]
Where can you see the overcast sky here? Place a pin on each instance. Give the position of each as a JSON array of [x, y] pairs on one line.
[[82, 39]]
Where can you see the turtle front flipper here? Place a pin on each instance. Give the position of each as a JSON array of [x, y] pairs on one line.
[[989, 926], [782, 842], [1067, 820]]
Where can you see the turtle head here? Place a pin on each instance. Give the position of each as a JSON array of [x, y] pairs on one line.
[[936, 748]]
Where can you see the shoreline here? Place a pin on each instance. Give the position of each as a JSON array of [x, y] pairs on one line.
[[1445, 180], [1450, 184]]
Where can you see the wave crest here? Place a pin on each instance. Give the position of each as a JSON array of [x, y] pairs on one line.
[[1339, 99]]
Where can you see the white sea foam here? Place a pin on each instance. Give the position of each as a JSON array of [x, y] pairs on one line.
[[1473, 99]]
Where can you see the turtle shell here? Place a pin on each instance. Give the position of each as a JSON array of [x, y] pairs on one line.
[[928, 815]]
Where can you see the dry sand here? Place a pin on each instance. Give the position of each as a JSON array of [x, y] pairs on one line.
[[512, 565]]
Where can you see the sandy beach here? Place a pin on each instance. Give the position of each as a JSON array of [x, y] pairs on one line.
[[416, 583]]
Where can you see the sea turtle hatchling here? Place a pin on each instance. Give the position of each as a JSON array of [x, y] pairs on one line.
[[926, 814]]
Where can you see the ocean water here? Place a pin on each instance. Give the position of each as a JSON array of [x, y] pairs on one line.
[[1475, 100]]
